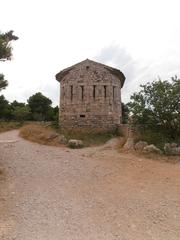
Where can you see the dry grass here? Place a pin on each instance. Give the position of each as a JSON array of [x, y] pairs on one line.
[[90, 138], [48, 135], [40, 134], [7, 126]]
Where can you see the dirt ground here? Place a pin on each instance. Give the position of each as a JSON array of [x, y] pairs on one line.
[[51, 193]]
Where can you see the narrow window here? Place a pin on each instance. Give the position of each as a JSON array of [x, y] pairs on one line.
[[82, 93], [114, 92], [82, 116], [94, 91], [71, 92], [105, 92]]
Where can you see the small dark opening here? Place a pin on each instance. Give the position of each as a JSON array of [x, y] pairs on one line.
[[82, 116], [94, 91], [82, 93], [71, 92], [105, 91], [87, 67]]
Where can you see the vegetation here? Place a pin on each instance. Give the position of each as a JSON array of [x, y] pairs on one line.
[[90, 138], [48, 135], [38, 109], [156, 110], [40, 133], [5, 52], [125, 113], [7, 126]]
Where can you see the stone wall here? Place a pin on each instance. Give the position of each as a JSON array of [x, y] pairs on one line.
[[90, 97]]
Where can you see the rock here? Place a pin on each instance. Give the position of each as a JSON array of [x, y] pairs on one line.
[[111, 144], [139, 146], [52, 136], [172, 149], [8, 141], [74, 143], [62, 139], [129, 145], [167, 148], [174, 145], [152, 149]]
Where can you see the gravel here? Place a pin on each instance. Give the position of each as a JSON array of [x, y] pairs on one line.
[[54, 193]]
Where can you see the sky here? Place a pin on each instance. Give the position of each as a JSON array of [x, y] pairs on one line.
[[139, 37]]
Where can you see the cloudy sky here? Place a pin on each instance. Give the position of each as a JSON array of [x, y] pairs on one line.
[[140, 37]]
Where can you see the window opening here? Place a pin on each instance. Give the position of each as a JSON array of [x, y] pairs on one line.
[[82, 93], [94, 91], [105, 91], [71, 92]]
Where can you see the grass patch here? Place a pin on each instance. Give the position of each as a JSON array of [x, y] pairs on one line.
[[40, 133], [155, 137], [48, 135], [7, 126], [90, 138]]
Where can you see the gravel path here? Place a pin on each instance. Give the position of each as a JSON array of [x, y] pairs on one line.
[[52, 193]]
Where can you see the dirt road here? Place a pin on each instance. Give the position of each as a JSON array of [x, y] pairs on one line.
[[52, 193]]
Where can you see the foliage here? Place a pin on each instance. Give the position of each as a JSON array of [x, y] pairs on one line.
[[40, 133], [15, 104], [125, 113], [40, 107], [5, 109], [6, 126], [89, 138], [5, 52], [158, 105], [21, 113], [3, 82], [5, 45]]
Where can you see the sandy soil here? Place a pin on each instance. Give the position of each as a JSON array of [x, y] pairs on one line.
[[52, 193]]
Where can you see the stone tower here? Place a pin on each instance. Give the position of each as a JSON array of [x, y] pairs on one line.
[[90, 96]]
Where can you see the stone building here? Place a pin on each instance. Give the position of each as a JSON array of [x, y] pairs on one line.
[[90, 96]]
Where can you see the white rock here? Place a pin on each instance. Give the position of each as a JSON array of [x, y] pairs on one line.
[[74, 143], [139, 146], [152, 149]]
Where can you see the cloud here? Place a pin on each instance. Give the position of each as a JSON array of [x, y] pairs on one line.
[[138, 71], [119, 57]]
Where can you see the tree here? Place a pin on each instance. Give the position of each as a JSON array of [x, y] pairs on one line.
[[40, 107], [3, 82], [5, 109], [158, 105], [21, 113], [125, 113], [5, 52], [56, 113], [15, 104]]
